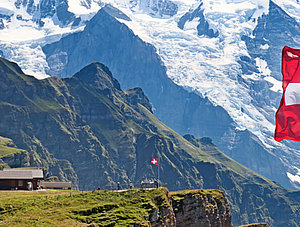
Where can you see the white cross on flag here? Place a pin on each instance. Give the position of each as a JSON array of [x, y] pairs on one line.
[[154, 161], [288, 114]]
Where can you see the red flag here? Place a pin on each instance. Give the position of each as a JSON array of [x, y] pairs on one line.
[[288, 113], [154, 161]]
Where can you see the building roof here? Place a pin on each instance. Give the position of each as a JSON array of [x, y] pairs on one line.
[[17, 172], [56, 184], [19, 175]]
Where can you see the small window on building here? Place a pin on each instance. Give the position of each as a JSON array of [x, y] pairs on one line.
[[20, 183]]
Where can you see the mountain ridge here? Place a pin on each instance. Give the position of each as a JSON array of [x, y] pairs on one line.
[[185, 111]]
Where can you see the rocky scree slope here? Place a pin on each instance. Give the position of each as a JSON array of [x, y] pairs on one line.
[[87, 130]]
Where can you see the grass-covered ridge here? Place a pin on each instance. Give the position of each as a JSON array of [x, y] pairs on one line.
[[61, 208], [7, 148], [99, 208]]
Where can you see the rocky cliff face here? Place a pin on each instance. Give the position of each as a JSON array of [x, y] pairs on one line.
[[206, 208], [162, 217], [201, 208]]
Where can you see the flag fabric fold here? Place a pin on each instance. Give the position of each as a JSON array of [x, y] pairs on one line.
[[288, 113]]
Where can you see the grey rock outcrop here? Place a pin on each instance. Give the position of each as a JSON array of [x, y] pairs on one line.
[[201, 208], [203, 27]]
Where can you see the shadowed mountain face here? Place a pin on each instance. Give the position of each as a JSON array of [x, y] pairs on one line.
[[87, 130], [136, 64]]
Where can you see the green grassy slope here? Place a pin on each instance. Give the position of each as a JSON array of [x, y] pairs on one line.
[[73, 208], [7, 148], [9, 153]]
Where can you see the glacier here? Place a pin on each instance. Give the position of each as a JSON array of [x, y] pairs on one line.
[[208, 66]]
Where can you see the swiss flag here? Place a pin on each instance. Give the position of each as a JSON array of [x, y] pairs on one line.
[[288, 113], [154, 161]]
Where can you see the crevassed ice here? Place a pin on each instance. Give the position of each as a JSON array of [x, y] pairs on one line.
[[293, 178], [292, 7], [206, 65]]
